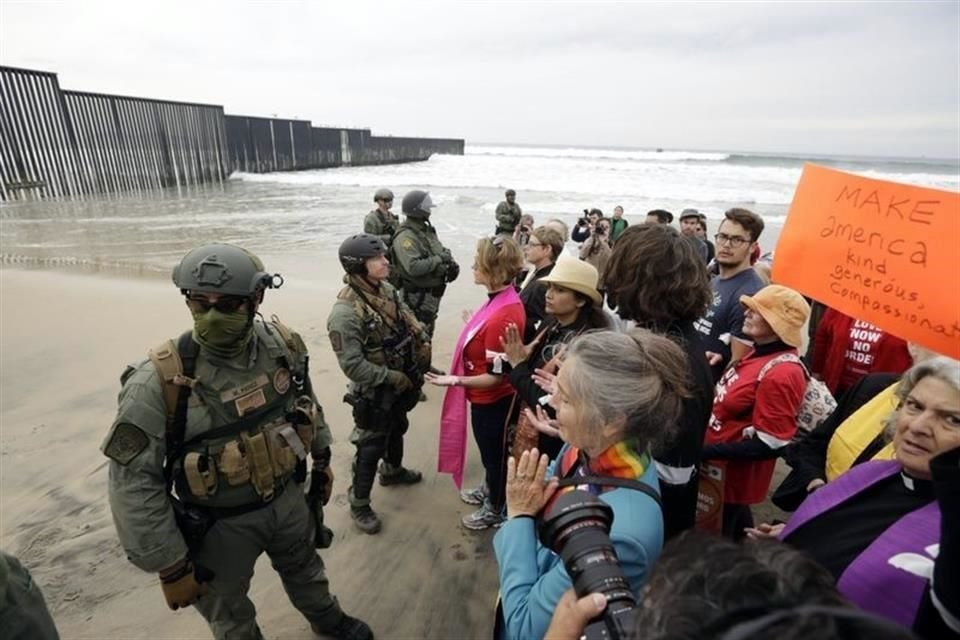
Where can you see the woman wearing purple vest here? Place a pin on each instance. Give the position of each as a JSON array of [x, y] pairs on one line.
[[889, 531]]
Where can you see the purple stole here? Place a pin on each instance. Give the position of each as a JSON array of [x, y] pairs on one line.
[[871, 581]]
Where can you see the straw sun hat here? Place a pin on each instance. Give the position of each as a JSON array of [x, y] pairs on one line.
[[576, 275], [784, 309]]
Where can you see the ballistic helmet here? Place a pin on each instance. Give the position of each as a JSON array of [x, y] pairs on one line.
[[356, 250], [225, 269], [383, 194], [417, 204]]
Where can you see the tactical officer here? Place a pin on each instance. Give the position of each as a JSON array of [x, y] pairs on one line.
[[384, 351], [209, 449], [381, 222], [508, 213], [424, 266]]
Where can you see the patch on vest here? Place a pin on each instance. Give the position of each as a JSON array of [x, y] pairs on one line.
[[250, 402], [125, 443], [237, 392], [407, 243], [336, 341], [281, 380]]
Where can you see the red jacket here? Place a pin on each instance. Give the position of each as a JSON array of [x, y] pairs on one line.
[[745, 408], [845, 350]]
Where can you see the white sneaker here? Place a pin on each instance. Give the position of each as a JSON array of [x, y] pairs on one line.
[[483, 518], [475, 496]]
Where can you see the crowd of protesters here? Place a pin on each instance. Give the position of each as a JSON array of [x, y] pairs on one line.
[[659, 352]]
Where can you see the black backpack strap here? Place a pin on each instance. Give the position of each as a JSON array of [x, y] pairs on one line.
[[188, 350], [608, 481]]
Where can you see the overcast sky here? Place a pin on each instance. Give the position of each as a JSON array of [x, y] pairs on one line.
[[864, 78]]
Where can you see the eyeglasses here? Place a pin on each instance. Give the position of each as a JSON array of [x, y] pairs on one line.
[[733, 241], [534, 244], [226, 304]]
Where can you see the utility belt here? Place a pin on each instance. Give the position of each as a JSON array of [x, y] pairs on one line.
[[436, 291], [374, 414], [261, 455]]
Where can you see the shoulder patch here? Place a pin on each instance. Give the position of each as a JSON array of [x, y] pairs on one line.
[[125, 443], [336, 341], [407, 243]]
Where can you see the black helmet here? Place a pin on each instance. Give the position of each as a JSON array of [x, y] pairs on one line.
[[417, 204], [383, 194], [225, 269], [510, 192], [356, 250]]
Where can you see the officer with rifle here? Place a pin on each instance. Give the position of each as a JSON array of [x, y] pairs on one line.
[[209, 451], [384, 351]]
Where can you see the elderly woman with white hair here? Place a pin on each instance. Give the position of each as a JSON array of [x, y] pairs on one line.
[[615, 394], [889, 530]]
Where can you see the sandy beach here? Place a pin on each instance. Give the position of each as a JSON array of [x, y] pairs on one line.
[[65, 339]]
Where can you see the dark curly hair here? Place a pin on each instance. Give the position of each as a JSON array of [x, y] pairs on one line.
[[656, 277]]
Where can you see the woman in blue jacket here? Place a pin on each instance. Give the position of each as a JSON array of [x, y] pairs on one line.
[[614, 394]]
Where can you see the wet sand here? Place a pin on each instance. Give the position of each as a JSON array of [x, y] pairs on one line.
[[66, 338]]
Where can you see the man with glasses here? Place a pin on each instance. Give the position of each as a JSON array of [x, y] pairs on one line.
[[381, 222], [722, 325], [209, 449]]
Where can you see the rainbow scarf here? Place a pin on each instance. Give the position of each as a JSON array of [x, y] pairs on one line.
[[622, 460]]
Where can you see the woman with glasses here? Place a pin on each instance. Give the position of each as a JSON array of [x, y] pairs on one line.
[[478, 376], [542, 251], [572, 307]]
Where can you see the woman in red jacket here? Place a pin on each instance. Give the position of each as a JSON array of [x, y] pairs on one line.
[[846, 349], [756, 401]]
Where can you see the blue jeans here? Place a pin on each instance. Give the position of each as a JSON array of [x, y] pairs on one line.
[[489, 430]]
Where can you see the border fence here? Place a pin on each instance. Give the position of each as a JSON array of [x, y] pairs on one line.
[[57, 143]]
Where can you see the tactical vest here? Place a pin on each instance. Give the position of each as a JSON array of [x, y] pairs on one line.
[[420, 237], [387, 337], [246, 431]]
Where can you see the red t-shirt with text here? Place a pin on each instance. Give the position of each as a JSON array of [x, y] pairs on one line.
[[743, 409]]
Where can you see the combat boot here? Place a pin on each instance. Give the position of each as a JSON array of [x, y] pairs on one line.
[[393, 475], [349, 628], [366, 519]]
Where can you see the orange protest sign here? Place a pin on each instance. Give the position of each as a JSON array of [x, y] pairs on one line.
[[880, 251]]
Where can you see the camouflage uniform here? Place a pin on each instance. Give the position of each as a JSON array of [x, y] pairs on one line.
[[382, 226], [372, 332], [423, 267], [508, 217]]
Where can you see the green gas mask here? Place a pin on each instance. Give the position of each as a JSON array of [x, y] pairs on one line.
[[224, 334]]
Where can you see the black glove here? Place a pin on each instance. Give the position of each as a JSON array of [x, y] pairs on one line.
[[453, 270], [318, 494]]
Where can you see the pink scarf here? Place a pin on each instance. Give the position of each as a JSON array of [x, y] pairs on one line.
[[453, 418]]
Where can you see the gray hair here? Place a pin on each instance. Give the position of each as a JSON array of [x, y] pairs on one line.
[[638, 376], [939, 367]]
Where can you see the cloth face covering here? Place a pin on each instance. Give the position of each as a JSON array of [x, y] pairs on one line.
[[223, 334]]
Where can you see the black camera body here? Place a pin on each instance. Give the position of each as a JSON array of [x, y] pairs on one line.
[[577, 528]]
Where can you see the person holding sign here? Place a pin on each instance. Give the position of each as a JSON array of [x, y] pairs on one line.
[[722, 325], [756, 401]]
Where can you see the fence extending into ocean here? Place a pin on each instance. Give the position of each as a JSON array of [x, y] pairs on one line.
[[58, 143]]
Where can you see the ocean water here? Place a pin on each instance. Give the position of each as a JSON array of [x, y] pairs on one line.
[[296, 220]]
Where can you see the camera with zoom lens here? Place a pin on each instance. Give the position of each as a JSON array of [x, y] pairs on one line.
[[577, 528]]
